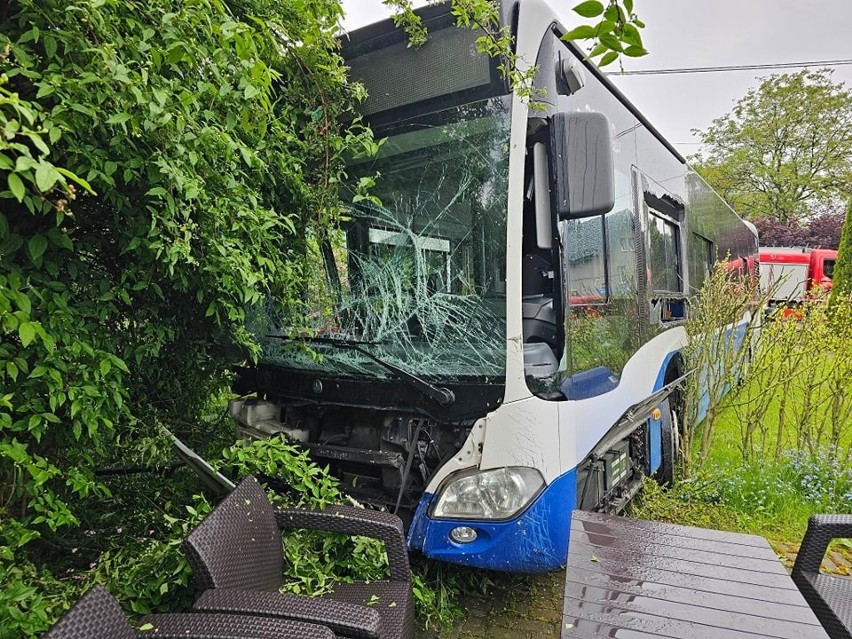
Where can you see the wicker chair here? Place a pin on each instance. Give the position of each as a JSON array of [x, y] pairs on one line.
[[829, 597], [97, 615], [237, 558]]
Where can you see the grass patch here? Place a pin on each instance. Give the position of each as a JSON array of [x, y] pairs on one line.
[[767, 480]]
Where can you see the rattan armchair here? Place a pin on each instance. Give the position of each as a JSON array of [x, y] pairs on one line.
[[236, 554], [829, 597], [97, 615]]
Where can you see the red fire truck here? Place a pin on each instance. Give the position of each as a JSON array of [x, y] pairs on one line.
[[790, 273]]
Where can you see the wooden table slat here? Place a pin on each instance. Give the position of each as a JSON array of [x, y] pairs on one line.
[[657, 538], [630, 578], [695, 555], [773, 608], [656, 623], [612, 522], [674, 611], [613, 559]]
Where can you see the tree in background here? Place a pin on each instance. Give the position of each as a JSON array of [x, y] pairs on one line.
[[786, 146], [820, 230], [842, 279]]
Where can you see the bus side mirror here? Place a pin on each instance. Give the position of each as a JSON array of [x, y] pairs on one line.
[[582, 177]]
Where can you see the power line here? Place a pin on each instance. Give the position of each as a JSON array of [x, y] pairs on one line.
[[742, 67]]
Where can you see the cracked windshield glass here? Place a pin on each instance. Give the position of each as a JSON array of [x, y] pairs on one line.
[[416, 273]]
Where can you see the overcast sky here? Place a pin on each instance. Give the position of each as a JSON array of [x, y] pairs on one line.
[[703, 33]]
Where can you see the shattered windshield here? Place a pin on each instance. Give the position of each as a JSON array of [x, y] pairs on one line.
[[417, 271]]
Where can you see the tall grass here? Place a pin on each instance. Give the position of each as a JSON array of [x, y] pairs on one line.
[[768, 415]]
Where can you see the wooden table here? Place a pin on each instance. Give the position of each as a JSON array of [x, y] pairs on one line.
[[630, 578]]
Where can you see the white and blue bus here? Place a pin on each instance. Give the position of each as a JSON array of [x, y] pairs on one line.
[[497, 330]]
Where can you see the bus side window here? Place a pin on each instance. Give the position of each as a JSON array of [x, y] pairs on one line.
[[664, 259], [700, 247], [585, 261]]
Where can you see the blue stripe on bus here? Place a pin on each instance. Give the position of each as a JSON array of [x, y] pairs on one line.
[[534, 541], [655, 426]]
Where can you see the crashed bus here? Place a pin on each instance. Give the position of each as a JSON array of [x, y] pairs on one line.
[[497, 329]]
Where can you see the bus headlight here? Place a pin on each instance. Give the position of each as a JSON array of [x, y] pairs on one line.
[[489, 494]]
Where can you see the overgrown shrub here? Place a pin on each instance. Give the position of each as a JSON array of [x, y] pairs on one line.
[[162, 166], [721, 336]]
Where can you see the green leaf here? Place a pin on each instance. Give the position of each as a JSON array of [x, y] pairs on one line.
[[26, 331], [589, 9], [609, 58], [597, 50], [628, 6], [611, 42], [146, 626], [118, 118], [36, 247], [75, 178], [46, 176], [631, 35], [605, 26], [583, 32], [16, 186], [635, 52], [49, 46], [38, 142]]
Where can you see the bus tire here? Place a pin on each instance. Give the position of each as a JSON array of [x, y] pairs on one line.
[[670, 444]]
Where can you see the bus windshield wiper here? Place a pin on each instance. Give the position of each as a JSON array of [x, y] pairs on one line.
[[444, 396]]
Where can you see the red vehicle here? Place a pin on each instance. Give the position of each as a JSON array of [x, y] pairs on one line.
[[792, 272]]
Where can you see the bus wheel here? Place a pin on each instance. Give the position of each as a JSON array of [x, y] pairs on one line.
[[670, 444]]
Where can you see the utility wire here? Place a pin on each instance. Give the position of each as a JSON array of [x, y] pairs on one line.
[[743, 67]]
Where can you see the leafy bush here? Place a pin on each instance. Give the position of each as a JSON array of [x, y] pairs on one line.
[[31, 598], [315, 561], [162, 166]]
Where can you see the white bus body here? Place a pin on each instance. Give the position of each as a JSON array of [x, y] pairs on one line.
[[531, 351]]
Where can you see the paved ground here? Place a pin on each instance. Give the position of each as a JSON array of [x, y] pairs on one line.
[[522, 608], [838, 560], [531, 607]]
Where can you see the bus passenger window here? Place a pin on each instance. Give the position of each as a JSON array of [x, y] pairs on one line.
[[664, 258], [699, 269]]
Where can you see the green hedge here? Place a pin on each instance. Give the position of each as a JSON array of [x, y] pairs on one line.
[[163, 167]]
